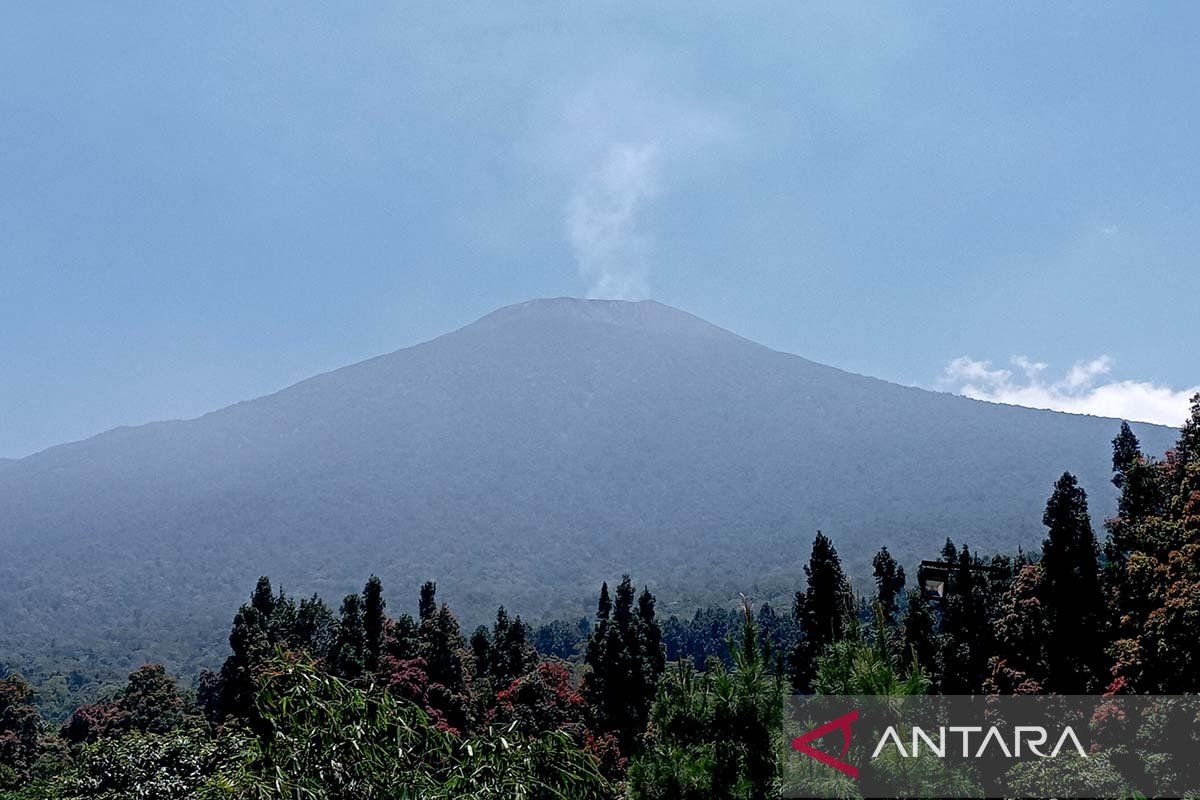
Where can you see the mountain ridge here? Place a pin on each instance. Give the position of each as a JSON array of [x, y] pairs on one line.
[[554, 303]]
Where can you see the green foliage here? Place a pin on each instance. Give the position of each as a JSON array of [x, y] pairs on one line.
[[715, 735], [1154, 567], [327, 739], [259, 627], [141, 766], [967, 635], [1066, 776], [149, 703], [20, 725], [856, 666], [1022, 631]]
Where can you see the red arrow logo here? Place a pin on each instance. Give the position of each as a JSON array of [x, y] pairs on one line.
[[801, 743]]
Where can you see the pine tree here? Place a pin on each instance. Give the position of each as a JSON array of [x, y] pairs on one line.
[[626, 657], [231, 693], [315, 627], [428, 602], [920, 635], [967, 640], [650, 637], [714, 733], [481, 651], [822, 610], [349, 650], [445, 653], [374, 621], [1126, 453], [889, 582], [949, 552], [262, 600], [511, 655], [1071, 592]]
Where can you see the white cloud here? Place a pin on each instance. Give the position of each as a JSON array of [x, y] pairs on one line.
[[1084, 389]]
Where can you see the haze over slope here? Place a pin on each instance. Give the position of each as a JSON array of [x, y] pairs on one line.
[[521, 460]]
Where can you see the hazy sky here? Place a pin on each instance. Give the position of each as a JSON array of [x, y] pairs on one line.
[[200, 205]]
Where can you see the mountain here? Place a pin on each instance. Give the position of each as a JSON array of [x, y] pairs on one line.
[[520, 460]]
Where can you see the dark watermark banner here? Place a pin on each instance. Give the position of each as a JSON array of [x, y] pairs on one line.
[[978, 746]]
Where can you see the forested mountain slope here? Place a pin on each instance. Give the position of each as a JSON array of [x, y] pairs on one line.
[[523, 457]]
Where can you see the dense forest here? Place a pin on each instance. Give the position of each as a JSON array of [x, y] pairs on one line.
[[313, 702]]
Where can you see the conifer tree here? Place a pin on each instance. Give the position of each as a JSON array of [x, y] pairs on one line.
[[889, 582], [1071, 592], [428, 602], [920, 635], [231, 692], [822, 610], [949, 552], [445, 653], [374, 621], [315, 627], [349, 649], [650, 638], [626, 658], [1126, 453], [1154, 561], [481, 652], [510, 654], [262, 600]]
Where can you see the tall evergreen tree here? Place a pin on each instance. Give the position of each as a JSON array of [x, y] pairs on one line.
[[626, 658], [1126, 453], [349, 649], [949, 552], [262, 600], [889, 582], [1071, 592], [445, 653], [315, 627], [428, 602], [823, 610], [920, 635], [510, 653], [231, 691], [374, 621]]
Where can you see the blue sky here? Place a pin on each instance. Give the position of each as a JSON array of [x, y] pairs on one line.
[[205, 203]]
